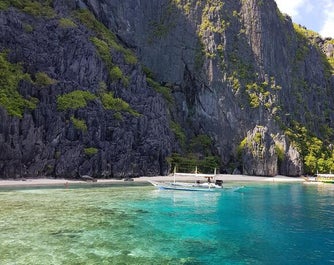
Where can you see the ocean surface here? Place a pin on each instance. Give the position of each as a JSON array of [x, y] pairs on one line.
[[259, 224]]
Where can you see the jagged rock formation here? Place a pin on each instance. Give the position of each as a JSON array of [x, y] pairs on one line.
[[233, 71], [259, 151]]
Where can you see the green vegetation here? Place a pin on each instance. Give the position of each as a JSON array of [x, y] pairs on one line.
[[118, 105], [41, 8], [189, 163], [118, 116], [42, 79], [198, 153], [161, 27], [164, 91], [211, 23], [4, 5], [199, 56], [241, 147], [116, 73], [104, 34], [10, 77], [235, 82], [329, 59], [79, 99], [305, 33], [280, 15], [257, 138], [105, 41], [331, 62], [208, 23], [103, 50], [261, 94], [79, 124], [317, 155], [306, 38], [280, 153], [102, 87], [74, 100], [179, 133], [201, 144], [67, 23], [90, 151], [28, 28], [101, 31]]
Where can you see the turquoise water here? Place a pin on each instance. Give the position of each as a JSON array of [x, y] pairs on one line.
[[260, 224]]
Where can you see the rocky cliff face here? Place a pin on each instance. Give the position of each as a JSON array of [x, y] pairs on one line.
[[159, 75], [47, 140]]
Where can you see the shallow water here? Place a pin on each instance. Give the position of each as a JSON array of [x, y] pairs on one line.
[[260, 224]]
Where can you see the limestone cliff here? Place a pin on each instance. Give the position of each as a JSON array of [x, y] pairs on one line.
[[118, 88]]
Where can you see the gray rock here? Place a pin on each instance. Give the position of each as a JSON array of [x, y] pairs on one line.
[[211, 72]]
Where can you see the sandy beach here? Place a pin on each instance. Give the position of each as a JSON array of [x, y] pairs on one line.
[[68, 182]]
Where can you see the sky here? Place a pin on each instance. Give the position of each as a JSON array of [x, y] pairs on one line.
[[314, 15]]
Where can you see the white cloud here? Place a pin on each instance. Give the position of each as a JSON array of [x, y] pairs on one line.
[[318, 16], [291, 7], [327, 30]]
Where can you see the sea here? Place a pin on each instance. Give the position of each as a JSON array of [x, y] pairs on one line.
[[262, 223]]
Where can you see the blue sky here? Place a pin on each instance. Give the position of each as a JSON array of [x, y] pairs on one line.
[[314, 15]]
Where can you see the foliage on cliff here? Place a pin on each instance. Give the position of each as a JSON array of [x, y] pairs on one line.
[[10, 98], [219, 72]]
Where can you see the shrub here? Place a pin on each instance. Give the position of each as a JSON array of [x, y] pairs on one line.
[[28, 28], [74, 100], [42, 79], [164, 91], [4, 5], [280, 153], [103, 50], [208, 164], [35, 8], [90, 151], [201, 143], [241, 147], [129, 57], [10, 99], [105, 34], [116, 73], [109, 102], [179, 133], [118, 116], [39, 10], [66, 23], [189, 162], [79, 124]]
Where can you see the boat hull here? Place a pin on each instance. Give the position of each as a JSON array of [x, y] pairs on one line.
[[192, 187]]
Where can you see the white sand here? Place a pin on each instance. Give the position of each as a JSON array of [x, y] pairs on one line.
[[225, 178]]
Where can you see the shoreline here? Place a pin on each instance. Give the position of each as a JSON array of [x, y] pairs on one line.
[[45, 182]]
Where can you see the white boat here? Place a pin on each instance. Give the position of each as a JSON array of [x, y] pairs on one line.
[[184, 186]]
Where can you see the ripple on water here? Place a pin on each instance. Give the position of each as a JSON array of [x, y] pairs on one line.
[[139, 225]]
